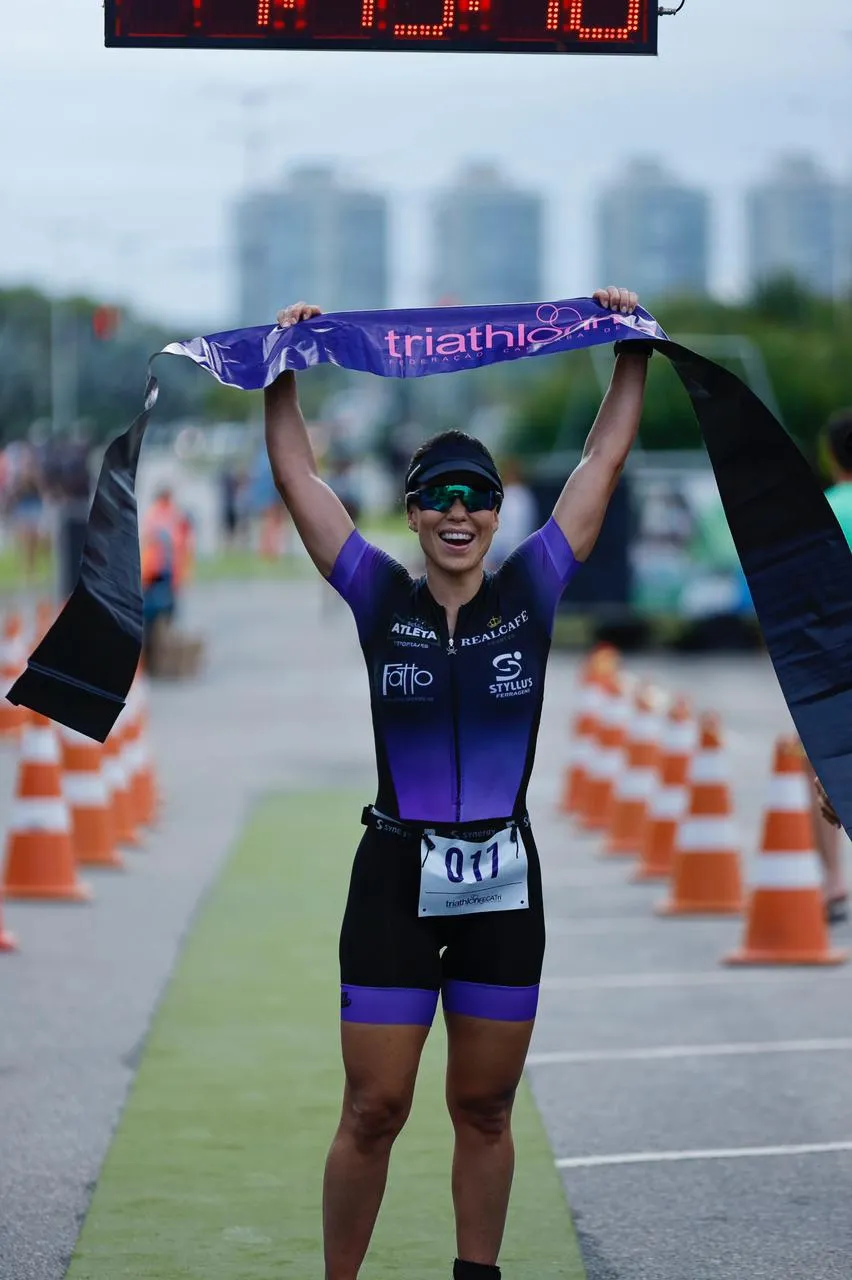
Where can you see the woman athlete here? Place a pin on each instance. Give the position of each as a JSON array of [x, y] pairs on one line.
[[445, 895]]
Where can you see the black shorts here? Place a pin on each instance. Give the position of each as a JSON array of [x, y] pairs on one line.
[[393, 964]]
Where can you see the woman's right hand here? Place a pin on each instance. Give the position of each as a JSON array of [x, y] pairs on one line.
[[296, 312]]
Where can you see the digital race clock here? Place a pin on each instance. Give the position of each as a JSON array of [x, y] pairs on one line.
[[475, 26]]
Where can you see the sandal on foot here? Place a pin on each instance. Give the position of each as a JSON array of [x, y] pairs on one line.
[[837, 909]]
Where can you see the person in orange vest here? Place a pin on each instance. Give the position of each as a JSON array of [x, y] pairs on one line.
[[184, 549], [160, 541]]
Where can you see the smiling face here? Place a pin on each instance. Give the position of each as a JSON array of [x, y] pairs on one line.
[[455, 541]]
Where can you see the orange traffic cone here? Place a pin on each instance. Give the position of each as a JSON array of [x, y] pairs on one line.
[[8, 941], [44, 619], [87, 793], [706, 875], [13, 660], [785, 921], [143, 782], [118, 783], [669, 795], [635, 782], [606, 754], [39, 854], [585, 727]]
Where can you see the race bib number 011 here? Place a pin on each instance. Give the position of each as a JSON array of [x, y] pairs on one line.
[[463, 877]]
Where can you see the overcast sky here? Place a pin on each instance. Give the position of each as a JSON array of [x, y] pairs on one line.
[[118, 167]]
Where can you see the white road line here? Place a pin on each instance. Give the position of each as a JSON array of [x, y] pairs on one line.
[[722, 1153], [724, 978], [670, 1052]]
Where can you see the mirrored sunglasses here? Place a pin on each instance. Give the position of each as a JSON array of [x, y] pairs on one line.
[[440, 497]]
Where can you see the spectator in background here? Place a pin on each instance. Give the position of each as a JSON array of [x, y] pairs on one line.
[[161, 538], [838, 440], [343, 480], [230, 508], [25, 506], [518, 514]]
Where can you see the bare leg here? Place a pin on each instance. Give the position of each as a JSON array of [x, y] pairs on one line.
[[485, 1064], [381, 1068], [827, 840]]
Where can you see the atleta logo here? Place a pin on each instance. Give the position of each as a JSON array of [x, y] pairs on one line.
[[413, 629], [405, 679], [510, 680], [497, 630]]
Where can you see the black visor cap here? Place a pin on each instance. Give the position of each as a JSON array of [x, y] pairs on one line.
[[453, 460]]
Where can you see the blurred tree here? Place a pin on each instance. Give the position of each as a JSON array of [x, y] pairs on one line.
[[804, 341]]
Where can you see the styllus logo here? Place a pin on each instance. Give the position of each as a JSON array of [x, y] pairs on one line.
[[552, 324]]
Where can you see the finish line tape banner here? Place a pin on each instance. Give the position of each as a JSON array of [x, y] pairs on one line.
[[792, 550]]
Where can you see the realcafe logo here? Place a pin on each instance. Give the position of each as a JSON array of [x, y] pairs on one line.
[[497, 630]]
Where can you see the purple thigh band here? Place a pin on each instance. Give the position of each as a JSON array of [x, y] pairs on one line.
[[481, 1000], [390, 1006]]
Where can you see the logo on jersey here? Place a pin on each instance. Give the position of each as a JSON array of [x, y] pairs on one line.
[[497, 629], [510, 681], [413, 633], [406, 680]]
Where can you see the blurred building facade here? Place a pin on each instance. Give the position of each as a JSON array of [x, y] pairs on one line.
[[487, 240], [799, 224], [653, 233], [314, 238]]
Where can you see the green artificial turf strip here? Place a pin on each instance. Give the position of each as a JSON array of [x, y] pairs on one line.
[[215, 1171]]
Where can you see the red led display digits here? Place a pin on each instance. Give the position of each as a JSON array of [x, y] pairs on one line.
[[472, 26], [589, 20]]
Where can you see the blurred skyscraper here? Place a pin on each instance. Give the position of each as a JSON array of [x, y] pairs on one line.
[[313, 239], [795, 227], [653, 233], [487, 240]]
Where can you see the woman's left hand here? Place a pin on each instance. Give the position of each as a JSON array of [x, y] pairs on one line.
[[616, 299], [825, 805]]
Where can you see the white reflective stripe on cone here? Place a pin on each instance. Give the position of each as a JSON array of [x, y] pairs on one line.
[[789, 792], [680, 738], [134, 756], [74, 737], [39, 746], [700, 835], [113, 771], [85, 790], [616, 714], [588, 700], [645, 727], [710, 766], [39, 815], [636, 784], [605, 762], [578, 752], [668, 802], [787, 871]]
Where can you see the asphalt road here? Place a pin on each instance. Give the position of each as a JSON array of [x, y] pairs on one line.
[[659, 1050]]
